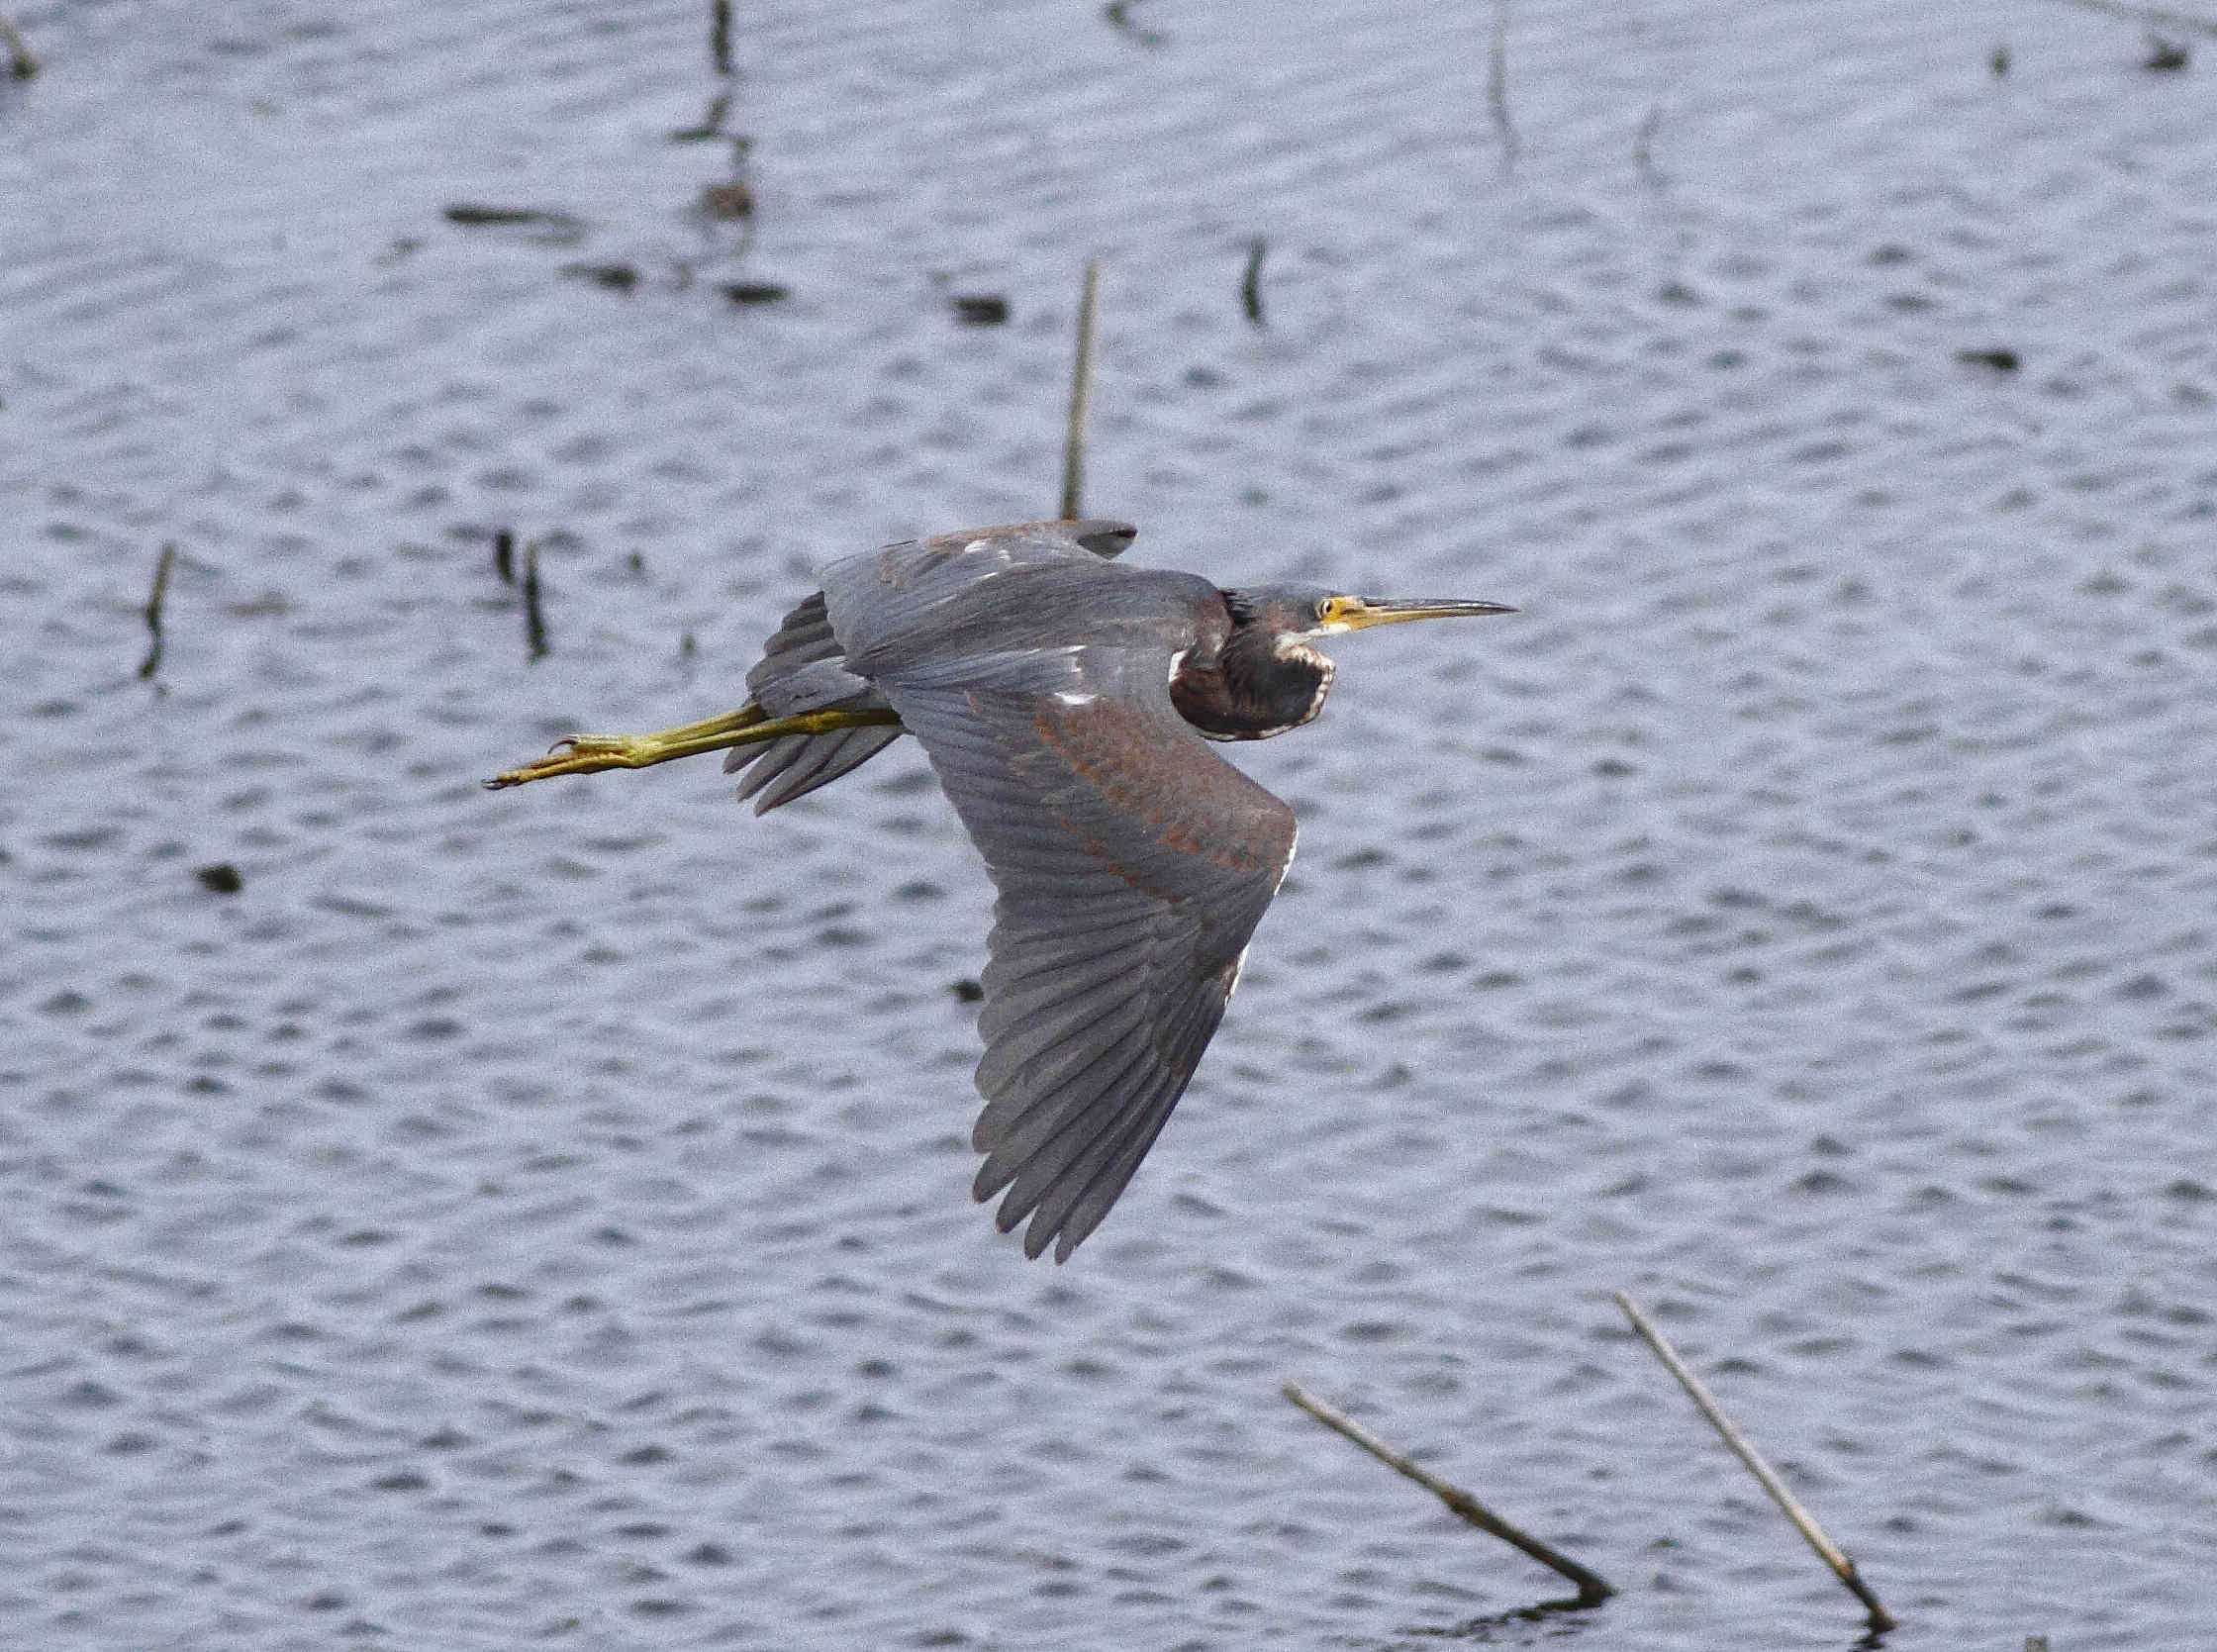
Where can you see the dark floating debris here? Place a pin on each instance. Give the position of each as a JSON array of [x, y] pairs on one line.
[[2165, 56], [464, 212], [755, 292], [20, 61], [535, 616], [504, 555], [1251, 283], [1118, 14], [559, 228], [728, 202], [1999, 65], [154, 600], [719, 35], [619, 278], [981, 309], [2000, 360], [220, 879], [967, 991]]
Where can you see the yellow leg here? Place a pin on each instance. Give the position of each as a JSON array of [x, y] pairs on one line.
[[590, 754]]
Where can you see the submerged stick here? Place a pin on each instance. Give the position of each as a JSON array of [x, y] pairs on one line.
[[1643, 149], [160, 594], [1496, 86], [1592, 1589], [1080, 396], [535, 618], [1828, 1552], [20, 61], [720, 35], [1251, 283]]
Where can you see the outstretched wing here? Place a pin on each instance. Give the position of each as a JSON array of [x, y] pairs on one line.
[[1133, 864], [800, 668]]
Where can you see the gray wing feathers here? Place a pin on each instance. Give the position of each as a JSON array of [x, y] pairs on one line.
[[800, 671], [802, 668], [1133, 864]]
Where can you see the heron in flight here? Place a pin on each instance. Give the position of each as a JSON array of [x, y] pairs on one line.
[[1067, 703]]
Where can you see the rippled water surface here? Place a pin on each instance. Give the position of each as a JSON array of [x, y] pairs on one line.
[[542, 1218]]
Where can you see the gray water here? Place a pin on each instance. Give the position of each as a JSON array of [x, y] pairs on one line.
[[542, 1218]]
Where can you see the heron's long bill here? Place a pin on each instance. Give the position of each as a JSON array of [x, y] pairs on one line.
[[1359, 613]]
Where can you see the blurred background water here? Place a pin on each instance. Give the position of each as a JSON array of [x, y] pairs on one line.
[[542, 1218]]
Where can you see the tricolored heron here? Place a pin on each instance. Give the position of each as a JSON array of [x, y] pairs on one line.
[[1066, 702]]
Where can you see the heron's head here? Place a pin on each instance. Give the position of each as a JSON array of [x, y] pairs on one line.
[[1294, 615]]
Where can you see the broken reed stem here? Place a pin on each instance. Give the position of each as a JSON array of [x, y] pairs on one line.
[[1592, 1589], [1828, 1552], [20, 61], [1251, 283], [1643, 149], [504, 555], [1080, 396], [1497, 87], [535, 616], [720, 35], [159, 595]]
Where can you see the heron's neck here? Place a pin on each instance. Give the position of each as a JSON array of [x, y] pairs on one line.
[[1255, 686]]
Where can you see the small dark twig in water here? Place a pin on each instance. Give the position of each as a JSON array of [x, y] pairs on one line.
[[2165, 56], [20, 61], [160, 594], [1080, 395], [535, 616], [2000, 360], [1829, 1552], [556, 229], [755, 292], [471, 212], [1643, 150], [619, 278], [1497, 87], [1592, 1589], [504, 555], [712, 124], [720, 35], [1251, 283], [1999, 65], [1118, 14]]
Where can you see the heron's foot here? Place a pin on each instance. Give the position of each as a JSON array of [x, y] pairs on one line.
[[590, 754]]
